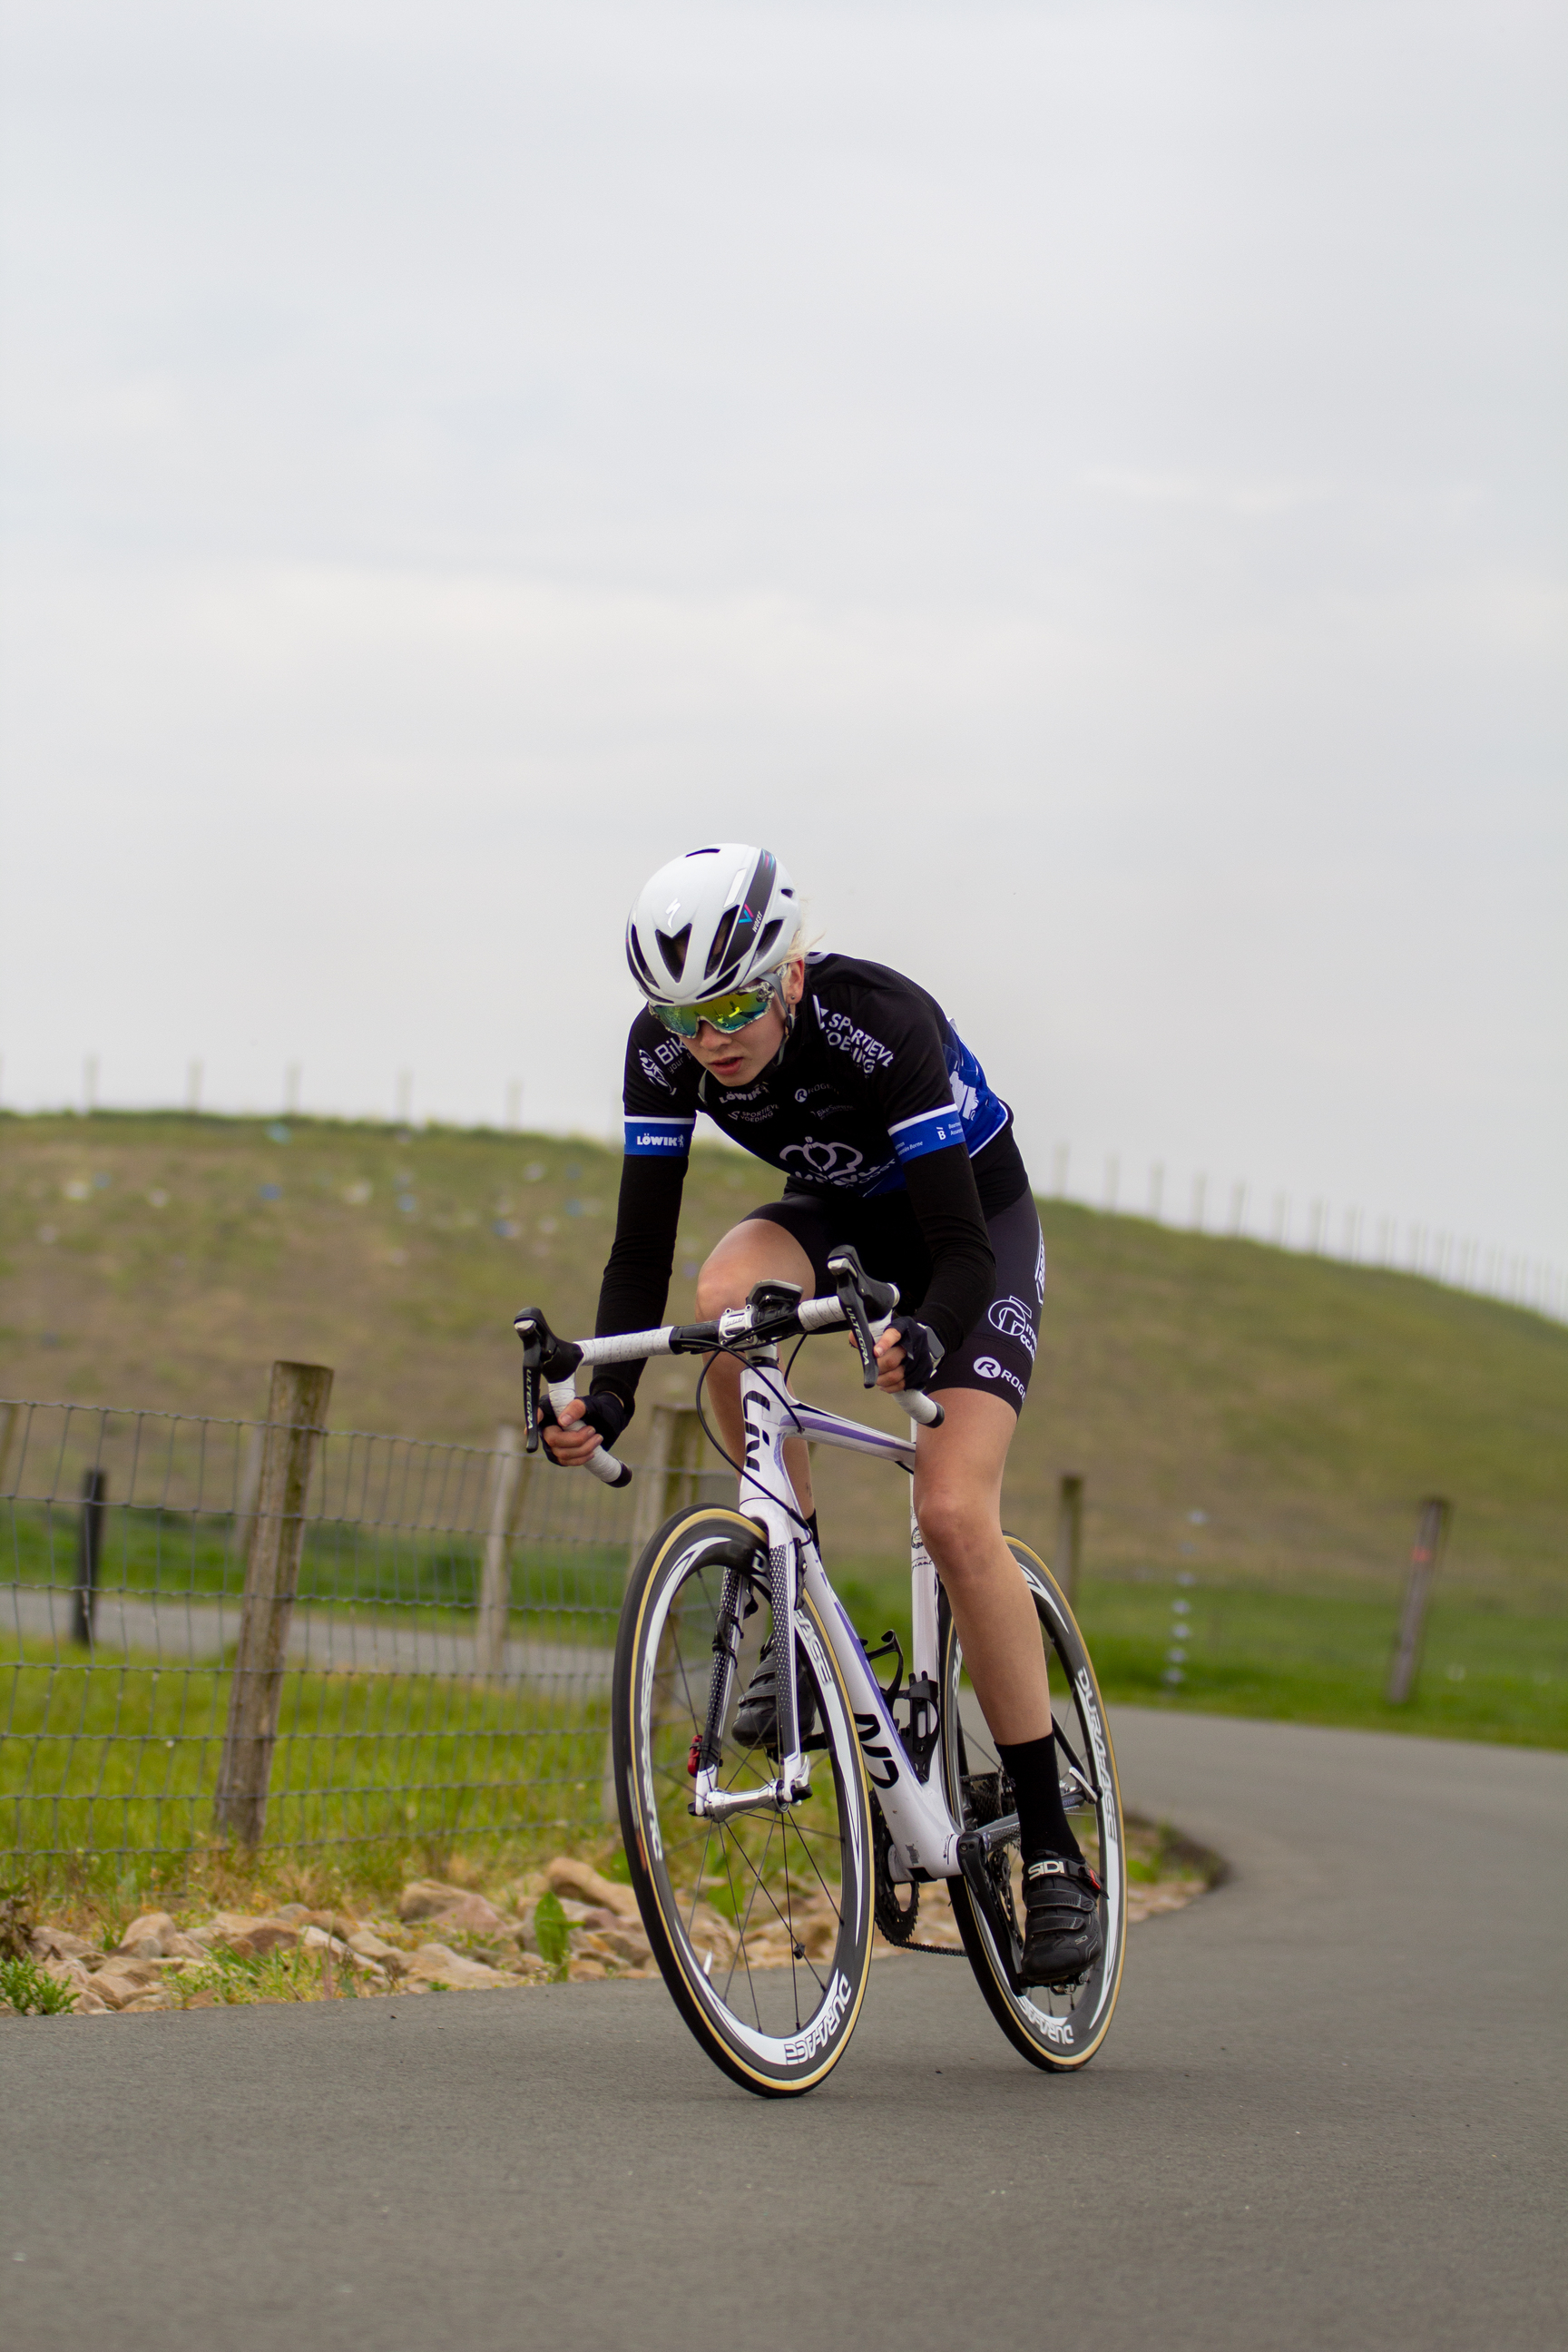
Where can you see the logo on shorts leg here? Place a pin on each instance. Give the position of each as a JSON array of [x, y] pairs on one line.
[[1014, 1320], [1041, 1273], [989, 1368]]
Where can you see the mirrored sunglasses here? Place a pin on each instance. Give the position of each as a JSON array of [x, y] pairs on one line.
[[729, 1014]]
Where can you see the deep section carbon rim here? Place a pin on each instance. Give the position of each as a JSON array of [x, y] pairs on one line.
[[761, 1923], [1058, 2030]]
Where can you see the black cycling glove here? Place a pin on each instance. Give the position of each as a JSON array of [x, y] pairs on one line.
[[605, 1411], [922, 1351]]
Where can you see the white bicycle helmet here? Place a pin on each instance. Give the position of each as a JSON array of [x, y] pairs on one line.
[[710, 921]]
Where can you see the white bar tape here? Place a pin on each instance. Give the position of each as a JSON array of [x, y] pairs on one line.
[[627, 1347], [921, 1407]]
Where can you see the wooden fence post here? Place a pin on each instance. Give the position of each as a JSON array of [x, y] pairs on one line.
[[296, 1416], [246, 1491], [668, 1479], [495, 1588], [88, 1549], [9, 1415], [1070, 1536], [1431, 1535]]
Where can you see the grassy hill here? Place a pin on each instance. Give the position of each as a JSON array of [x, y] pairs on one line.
[[1240, 1414]]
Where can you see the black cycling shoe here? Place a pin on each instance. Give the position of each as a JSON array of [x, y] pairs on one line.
[[1062, 1938], [756, 1717]]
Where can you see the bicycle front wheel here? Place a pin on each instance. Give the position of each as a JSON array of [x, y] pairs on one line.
[[1058, 2031], [761, 1923]]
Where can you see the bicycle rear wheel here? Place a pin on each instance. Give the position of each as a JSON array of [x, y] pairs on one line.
[[761, 1923], [1058, 2031]]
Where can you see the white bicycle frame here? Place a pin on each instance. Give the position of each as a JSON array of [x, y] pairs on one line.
[[919, 1820]]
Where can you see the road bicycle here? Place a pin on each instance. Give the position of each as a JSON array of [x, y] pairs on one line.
[[760, 1865]]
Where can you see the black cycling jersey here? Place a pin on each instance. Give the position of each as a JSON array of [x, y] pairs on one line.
[[874, 1093]]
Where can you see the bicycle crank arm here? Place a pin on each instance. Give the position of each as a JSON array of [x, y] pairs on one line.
[[972, 1851], [994, 1833]]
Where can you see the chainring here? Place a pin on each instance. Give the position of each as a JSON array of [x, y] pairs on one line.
[[895, 1919]]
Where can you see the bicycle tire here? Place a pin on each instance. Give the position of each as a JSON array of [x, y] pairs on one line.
[[771, 1991], [1058, 2031]]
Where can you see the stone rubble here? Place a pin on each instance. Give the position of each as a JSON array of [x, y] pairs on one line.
[[414, 1953]]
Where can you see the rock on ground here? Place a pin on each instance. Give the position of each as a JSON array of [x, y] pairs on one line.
[[454, 1907]]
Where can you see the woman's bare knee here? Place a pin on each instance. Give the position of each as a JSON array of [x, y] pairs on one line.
[[749, 1253], [956, 1526]]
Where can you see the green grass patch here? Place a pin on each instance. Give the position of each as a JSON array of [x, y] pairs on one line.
[[30, 1991], [121, 1756]]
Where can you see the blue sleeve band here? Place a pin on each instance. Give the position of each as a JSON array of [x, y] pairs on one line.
[[658, 1138], [934, 1130]]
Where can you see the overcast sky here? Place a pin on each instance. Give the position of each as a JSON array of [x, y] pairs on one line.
[[1083, 482]]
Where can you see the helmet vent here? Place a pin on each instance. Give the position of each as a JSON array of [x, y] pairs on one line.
[[673, 950], [720, 947], [768, 941], [638, 963]]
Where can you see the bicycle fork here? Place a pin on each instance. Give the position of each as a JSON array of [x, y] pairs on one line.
[[793, 1781]]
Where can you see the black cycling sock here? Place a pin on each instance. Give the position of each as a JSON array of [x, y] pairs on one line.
[[1031, 1766]]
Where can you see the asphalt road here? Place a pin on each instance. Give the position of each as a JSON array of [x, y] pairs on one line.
[[1330, 2115]]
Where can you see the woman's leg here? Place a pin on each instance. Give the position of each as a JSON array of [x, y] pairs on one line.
[[755, 1250], [958, 1502]]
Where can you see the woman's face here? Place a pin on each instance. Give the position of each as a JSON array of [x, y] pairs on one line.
[[736, 1061]]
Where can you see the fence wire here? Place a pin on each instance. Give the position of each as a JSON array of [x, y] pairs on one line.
[[125, 1539]]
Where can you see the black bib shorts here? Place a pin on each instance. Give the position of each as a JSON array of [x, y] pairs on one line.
[[997, 1354]]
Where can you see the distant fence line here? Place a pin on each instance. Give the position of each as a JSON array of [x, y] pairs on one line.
[[1436, 1254], [444, 1661]]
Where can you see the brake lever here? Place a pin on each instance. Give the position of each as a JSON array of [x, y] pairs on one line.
[[857, 1290], [545, 1357]]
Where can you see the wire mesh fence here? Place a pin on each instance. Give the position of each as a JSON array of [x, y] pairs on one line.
[[444, 1660]]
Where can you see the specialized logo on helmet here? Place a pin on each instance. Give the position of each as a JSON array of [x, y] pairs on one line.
[[833, 1164], [1014, 1320], [990, 1369]]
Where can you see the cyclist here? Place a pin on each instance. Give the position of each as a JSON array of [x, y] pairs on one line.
[[849, 1078]]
